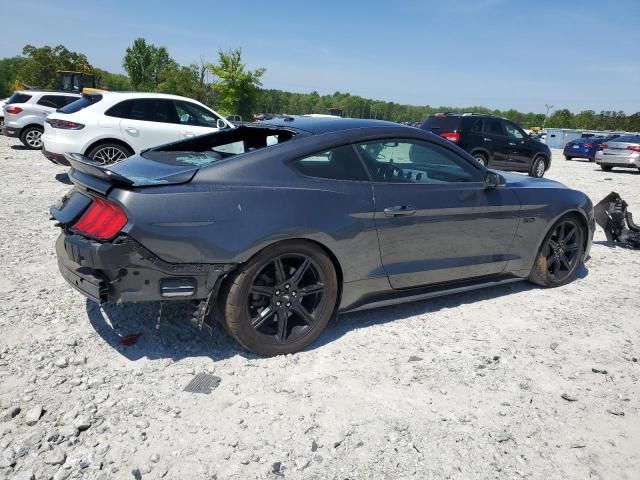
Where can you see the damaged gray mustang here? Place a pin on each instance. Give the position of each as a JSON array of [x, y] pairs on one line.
[[273, 228]]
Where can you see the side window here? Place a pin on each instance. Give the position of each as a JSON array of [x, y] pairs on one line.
[[476, 127], [340, 163], [411, 161], [120, 110], [51, 101], [153, 110], [492, 126], [193, 114], [513, 131]]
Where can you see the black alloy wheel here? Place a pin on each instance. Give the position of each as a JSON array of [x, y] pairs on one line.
[[281, 300], [285, 297], [561, 253]]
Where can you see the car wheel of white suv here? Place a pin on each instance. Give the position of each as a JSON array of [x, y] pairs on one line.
[[31, 137], [107, 153]]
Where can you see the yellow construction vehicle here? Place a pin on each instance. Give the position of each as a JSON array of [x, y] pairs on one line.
[[70, 81]]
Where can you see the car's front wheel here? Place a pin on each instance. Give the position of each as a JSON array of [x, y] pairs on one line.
[[560, 254], [108, 153], [481, 159], [567, 157], [538, 167], [281, 300], [606, 168], [31, 137]]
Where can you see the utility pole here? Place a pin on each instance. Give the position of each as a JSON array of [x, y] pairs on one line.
[[549, 107]]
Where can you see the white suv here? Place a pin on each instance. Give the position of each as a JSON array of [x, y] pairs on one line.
[[110, 126], [25, 112]]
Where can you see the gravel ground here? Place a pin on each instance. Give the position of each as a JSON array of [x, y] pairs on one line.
[[498, 383]]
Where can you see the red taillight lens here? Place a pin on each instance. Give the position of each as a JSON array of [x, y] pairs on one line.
[[64, 124], [451, 136], [588, 145], [568, 145], [635, 148], [13, 110], [603, 146], [102, 220]]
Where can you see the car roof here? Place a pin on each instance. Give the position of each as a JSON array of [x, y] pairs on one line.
[[46, 92], [125, 95], [318, 125]]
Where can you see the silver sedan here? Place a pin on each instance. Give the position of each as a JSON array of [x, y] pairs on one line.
[[623, 152]]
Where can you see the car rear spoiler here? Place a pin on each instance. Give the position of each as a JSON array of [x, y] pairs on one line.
[[94, 176]]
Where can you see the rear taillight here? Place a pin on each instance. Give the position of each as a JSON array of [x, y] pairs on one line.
[[13, 110], [102, 220], [635, 148], [64, 124], [588, 145], [568, 145], [451, 136], [604, 146]]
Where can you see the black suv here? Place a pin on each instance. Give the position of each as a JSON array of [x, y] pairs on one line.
[[495, 142]]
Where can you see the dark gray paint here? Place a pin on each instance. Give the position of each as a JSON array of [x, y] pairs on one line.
[[233, 209]]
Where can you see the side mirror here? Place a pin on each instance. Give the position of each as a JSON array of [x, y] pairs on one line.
[[221, 124], [491, 181]]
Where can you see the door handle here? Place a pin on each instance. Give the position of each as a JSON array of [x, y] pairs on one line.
[[512, 144], [189, 134], [487, 139], [399, 210], [131, 130]]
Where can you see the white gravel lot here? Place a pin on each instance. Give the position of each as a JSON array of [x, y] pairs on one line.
[[464, 387]]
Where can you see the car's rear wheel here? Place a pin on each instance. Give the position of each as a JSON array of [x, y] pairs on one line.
[[31, 137], [108, 153], [567, 157], [481, 159], [606, 168], [538, 167], [560, 254], [280, 301]]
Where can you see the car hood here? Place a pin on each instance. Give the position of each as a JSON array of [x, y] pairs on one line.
[[523, 181]]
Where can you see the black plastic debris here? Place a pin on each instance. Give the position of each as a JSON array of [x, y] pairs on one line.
[[617, 222], [203, 383]]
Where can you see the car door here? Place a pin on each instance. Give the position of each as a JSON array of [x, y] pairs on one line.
[[521, 149], [147, 122], [195, 120], [435, 219], [495, 140]]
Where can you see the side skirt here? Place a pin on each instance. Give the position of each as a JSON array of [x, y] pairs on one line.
[[402, 296]]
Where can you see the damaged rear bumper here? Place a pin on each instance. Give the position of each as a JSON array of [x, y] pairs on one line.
[[124, 271]]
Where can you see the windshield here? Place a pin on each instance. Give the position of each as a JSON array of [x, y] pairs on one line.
[[208, 149], [628, 139], [441, 123], [82, 102]]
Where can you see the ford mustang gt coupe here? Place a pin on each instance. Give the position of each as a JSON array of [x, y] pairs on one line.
[[273, 228]]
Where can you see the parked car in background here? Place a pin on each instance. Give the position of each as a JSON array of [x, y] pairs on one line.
[[235, 119], [335, 215], [586, 147], [110, 126], [25, 113], [623, 151], [2, 104], [493, 141]]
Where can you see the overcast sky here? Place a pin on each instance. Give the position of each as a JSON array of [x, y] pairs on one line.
[[496, 53]]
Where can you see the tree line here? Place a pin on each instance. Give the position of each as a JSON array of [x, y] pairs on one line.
[[230, 88]]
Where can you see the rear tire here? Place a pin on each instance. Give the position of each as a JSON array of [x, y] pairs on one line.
[[566, 157], [31, 137], [108, 153], [481, 159], [538, 167], [606, 168], [560, 254], [271, 308]]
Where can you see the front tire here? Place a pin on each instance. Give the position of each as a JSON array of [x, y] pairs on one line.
[[567, 157], [281, 300], [560, 254], [481, 159], [108, 153], [606, 168], [538, 167], [31, 137]]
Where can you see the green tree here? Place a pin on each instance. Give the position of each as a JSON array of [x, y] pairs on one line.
[[236, 89], [562, 118], [42, 63], [115, 82], [9, 68], [186, 81], [145, 64]]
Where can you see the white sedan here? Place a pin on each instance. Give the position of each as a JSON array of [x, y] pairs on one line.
[[111, 126]]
